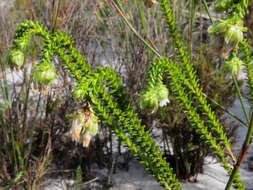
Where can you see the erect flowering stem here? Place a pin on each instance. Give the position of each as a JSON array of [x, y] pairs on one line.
[[177, 81], [191, 79], [242, 154]]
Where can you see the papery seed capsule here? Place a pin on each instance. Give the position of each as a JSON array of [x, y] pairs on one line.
[[86, 139], [84, 126], [76, 127]]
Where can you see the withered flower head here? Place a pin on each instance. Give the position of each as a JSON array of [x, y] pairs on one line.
[[84, 126]]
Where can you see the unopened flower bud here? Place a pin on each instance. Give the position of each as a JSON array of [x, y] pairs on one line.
[[232, 66], [16, 58], [235, 34], [77, 125], [162, 93], [44, 73], [153, 97], [219, 27]]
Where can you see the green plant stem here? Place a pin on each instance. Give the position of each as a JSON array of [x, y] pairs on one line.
[[104, 89], [192, 17], [227, 111], [242, 154], [56, 14], [207, 10], [240, 98]]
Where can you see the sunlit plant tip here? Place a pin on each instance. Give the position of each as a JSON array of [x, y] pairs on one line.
[[154, 97]]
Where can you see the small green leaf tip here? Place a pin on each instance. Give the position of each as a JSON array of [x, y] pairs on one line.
[[21, 44], [232, 66], [44, 73], [153, 97], [16, 58], [77, 93]]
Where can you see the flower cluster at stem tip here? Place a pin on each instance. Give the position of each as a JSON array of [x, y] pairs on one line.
[[232, 29], [233, 66], [154, 97]]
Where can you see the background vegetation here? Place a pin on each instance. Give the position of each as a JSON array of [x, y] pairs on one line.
[[34, 129]]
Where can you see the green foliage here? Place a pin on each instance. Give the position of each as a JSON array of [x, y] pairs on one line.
[[176, 83], [232, 6], [104, 90], [248, 68], [190, 80]]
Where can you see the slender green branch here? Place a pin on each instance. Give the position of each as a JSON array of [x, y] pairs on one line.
[[242, 154], [122, 15], [240, 98], [191, 80], [227, 111]]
